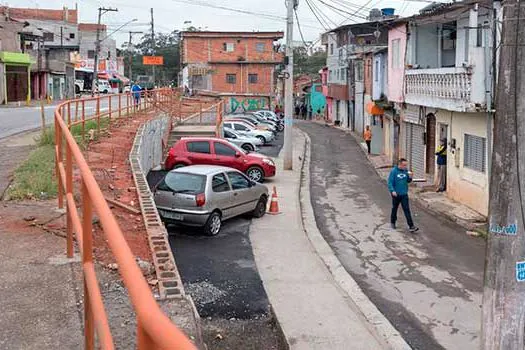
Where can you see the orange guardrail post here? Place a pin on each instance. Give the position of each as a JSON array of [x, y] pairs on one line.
[[87, 257]]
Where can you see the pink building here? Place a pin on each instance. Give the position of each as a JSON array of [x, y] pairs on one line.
[[324, 83], [397, 43]]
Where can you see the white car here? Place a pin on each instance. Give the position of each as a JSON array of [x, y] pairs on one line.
[[127, 88], [103, 86], [246, 142], [268, 114], [248, 130]]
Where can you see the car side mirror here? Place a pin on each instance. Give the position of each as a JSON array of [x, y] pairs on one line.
[[237, 154]]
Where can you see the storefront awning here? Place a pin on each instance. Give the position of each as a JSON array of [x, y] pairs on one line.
[[15, 58], [373, 109]]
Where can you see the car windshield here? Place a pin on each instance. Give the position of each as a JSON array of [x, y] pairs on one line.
[[178, 182]]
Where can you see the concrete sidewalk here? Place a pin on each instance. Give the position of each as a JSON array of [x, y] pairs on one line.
[[312, 309]]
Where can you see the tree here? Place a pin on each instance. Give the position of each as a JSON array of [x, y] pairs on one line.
[[305, 63], [166, 45]]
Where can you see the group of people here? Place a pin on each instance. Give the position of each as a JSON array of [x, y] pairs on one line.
[[400, 177], [302, 111]]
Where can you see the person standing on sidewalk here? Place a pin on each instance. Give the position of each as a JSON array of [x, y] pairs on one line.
[[398, 181], [441, 154], [367, 135]]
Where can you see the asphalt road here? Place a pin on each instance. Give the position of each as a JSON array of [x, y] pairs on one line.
[[219, 272], [14, 120], [428, 285]]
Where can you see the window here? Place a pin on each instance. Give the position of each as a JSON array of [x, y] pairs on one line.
[[223, 150], [238, 181], [231, 78], [479, 37], [228, 134], [359, 70], [183, 182], [330, 76], [259, 47], [475, 153], [396, 54], [91, 53], [253, 78], [199, 147], [331, 49], [219, 183], [376, 72], [240, 127], [340, 54], [49, 36], [71, 35], [342, 74], [229, 47]]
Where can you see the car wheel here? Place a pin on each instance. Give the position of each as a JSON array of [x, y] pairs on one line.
[[260, 209], [255, 173], [179, 165], [213, 225], [281, 127], [248, 147], [262, 138]]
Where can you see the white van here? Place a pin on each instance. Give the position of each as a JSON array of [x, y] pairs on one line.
[[103, 86]]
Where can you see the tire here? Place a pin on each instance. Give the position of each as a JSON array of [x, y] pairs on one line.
[[77, 90], [248, 147], [213, 225], [260, 209], [262, 138], [179, 165], [255, 173], [105, 92], [280, 127]]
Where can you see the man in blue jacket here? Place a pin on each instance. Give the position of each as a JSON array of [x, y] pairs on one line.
[[398, 181]]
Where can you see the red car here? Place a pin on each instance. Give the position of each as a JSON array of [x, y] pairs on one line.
[[215, 151]]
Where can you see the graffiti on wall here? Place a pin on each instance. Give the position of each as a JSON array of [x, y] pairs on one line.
[[244, 104]]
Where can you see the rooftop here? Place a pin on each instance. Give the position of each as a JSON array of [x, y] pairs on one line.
[[91, 27], [66, 15], [211, 34]]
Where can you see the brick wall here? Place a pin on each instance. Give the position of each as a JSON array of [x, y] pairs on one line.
[[264, 72]]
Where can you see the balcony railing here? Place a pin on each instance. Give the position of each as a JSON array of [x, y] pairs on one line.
[[449, 88]]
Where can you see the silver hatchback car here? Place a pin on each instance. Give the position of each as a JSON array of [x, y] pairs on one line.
[[205, 195]]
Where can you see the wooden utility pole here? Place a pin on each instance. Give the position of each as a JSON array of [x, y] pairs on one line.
[[130, 45], [101, 11], [503, 325]]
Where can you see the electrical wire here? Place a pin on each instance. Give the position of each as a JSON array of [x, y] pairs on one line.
[[329, 21], [299, 28], [316, 16]]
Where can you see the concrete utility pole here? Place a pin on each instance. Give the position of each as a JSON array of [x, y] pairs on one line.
[[101, 11], [288, 89], [504, 285], [130, 53], [153, 44]]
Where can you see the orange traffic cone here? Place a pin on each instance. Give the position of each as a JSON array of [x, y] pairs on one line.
[[274, 206]]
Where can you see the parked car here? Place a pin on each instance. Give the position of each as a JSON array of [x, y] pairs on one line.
[[247, 143], [215, 151], [244, 128], [205, 195], [254, 120], [278, 124], [127, 88], [103, 86], [270, 116]]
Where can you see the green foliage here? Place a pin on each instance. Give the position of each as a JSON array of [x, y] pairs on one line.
[[308, 63], [166, 45]]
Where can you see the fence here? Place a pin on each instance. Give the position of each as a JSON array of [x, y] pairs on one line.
[[154, 329]]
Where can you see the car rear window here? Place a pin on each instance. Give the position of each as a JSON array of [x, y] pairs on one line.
[[199, 147], [183, 183]]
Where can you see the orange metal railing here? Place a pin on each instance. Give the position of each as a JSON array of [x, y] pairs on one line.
[[154, 329]]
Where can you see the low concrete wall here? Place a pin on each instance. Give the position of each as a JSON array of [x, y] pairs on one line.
[[151, 152], [147, 150]]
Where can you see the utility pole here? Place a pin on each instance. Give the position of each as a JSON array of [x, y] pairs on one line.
[[504, 283], [288, 89], [101, 11], [153, 44], [130, 53]]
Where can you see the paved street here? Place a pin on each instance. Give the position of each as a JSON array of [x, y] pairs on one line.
[[427, 285], [14, 120]]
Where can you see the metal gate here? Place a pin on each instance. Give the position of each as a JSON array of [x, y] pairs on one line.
[[415, 147]]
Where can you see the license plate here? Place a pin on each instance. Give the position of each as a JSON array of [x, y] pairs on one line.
[[173, 216]]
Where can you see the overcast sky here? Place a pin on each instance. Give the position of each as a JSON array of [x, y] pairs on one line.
[[171, 14]]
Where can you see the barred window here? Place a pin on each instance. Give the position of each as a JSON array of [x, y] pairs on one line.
[[475, 153]]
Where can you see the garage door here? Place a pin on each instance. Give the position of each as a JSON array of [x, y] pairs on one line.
[[16, 82], [416, 149]]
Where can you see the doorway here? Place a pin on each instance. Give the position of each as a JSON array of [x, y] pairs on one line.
[[430, 143]]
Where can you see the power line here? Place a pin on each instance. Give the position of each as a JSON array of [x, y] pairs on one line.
[[299, 28]]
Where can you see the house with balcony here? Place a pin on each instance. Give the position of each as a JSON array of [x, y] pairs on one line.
[[240, 66], [443, 57]]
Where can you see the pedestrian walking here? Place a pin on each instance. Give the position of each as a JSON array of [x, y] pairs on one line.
[[297, 110], [136, 89], [303, 111], [398, 181], [441, 154], [367, 135], [310, 112]]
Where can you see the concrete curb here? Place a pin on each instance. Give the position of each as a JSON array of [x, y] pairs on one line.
[[170, 283], [375, 320]]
